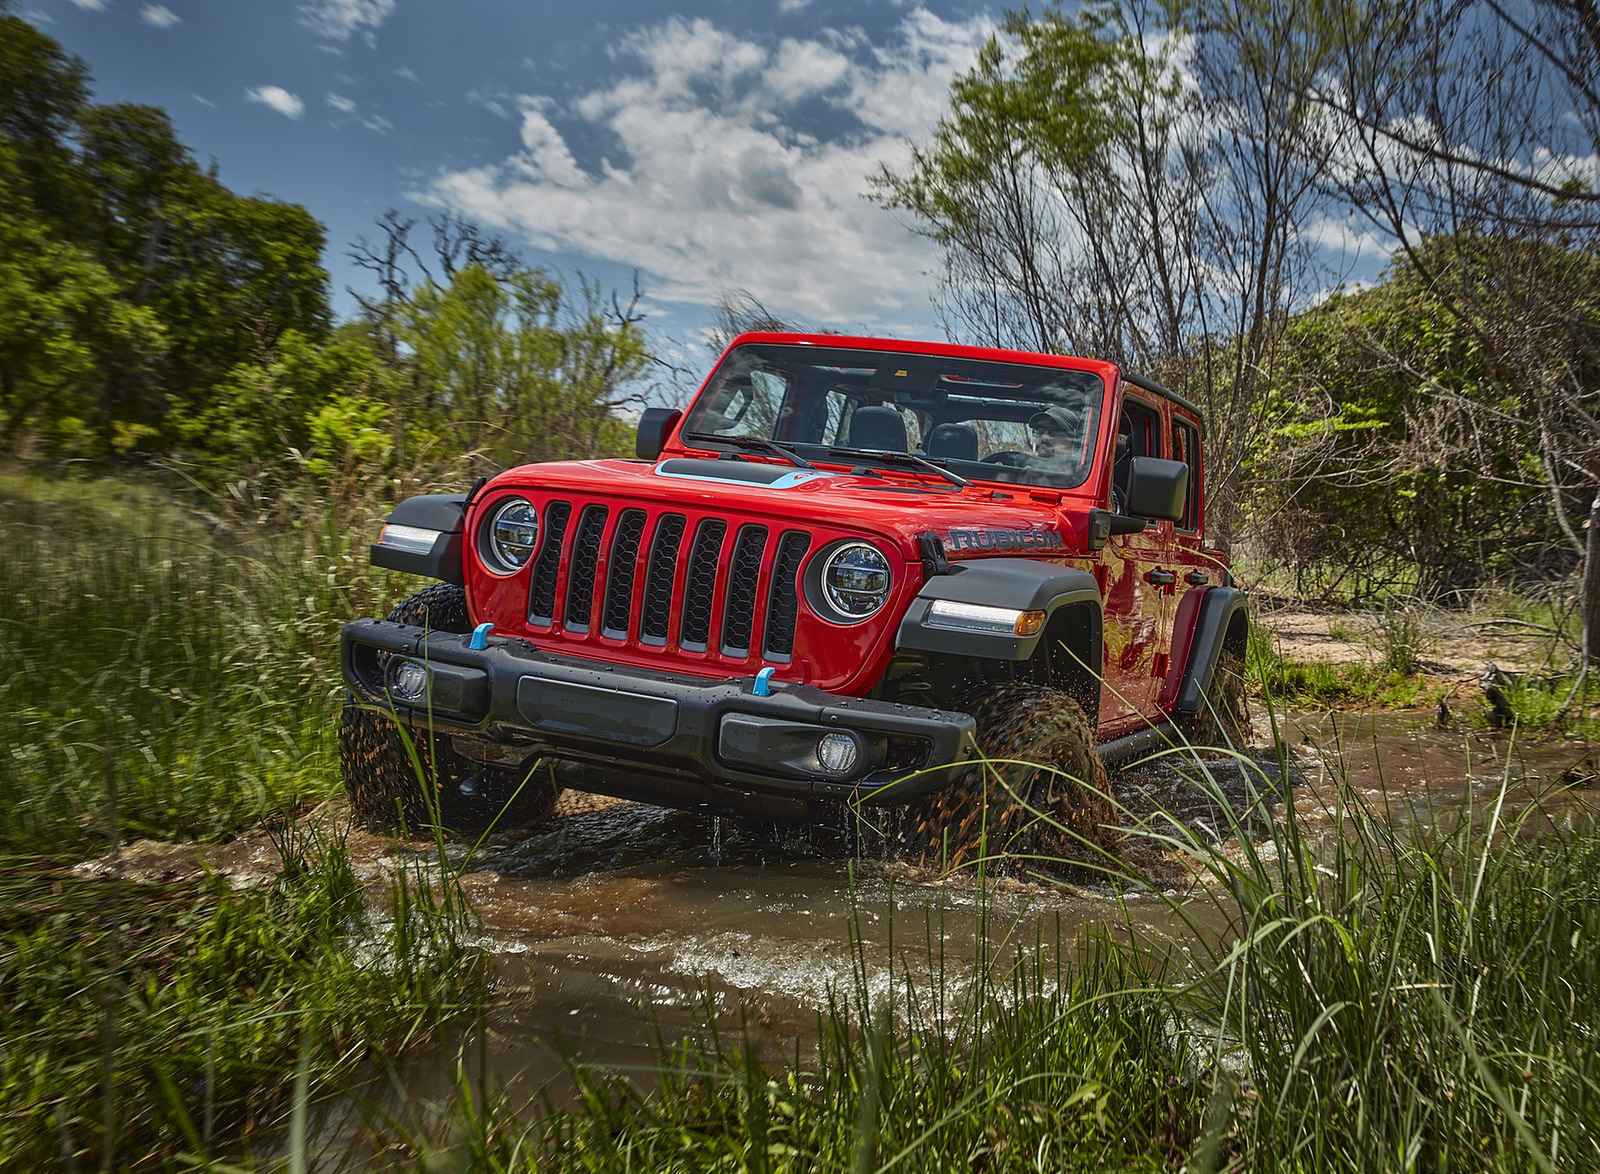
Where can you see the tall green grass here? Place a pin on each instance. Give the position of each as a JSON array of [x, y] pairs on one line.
[[172, 672], [142, 1023], [1377, 998], [200, 655]]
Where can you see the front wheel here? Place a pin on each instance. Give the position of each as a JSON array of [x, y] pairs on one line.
[[1038, 792], [1224, 717], [415, 777]]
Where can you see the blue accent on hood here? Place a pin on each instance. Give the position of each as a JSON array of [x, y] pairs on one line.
[[755, 476]]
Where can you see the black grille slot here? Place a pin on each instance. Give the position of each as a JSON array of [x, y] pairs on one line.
[[657, 613], [580, 576], [622, 571], [739, 612], [701, 585], [542, 592], [783, 603]]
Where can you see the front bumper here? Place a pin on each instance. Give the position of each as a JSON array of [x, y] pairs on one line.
[[514, 700]]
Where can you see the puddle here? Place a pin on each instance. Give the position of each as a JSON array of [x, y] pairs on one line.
[[617, 923]]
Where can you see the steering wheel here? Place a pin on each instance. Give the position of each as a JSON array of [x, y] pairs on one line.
[[1008, 457]]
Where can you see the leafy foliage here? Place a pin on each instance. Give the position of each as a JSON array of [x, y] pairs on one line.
[[1400, 457], [146, 310]]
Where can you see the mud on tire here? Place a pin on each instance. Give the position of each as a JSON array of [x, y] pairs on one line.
[[382, 780], [1224, 717], [1037, 757]]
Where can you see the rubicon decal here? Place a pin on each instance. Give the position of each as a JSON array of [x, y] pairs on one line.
[[1005, 540]]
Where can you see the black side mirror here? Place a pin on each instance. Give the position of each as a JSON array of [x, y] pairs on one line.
[[655, 425], [1157, 488]]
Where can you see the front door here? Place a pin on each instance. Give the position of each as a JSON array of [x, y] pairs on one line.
[[1138, 584]]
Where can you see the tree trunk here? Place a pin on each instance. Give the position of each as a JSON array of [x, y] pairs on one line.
[[1590, 597]]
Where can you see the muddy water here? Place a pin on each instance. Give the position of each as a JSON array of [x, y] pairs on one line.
[[616, 923], [610, 926]]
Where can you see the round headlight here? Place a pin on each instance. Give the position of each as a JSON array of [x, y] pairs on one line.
[[855, 580], [510, 535]]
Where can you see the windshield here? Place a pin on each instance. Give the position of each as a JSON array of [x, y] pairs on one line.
[[996, 421]]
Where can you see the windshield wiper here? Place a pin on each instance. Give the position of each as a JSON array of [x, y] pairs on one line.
[[909, 459], [759, 444]]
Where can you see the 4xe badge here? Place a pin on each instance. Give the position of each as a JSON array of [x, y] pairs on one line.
[[1005, 540]]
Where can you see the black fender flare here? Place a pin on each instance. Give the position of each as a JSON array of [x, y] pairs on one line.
[[1018, 583], [1223, 616], [443, 513]]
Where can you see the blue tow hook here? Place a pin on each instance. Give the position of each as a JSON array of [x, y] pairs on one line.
[[480, 637], [763, 685]]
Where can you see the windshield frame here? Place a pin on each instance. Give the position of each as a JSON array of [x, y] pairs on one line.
[[806, 396]]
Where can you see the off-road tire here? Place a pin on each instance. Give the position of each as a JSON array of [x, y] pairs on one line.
[[1038, 770], [1224, 717], [382, 780]]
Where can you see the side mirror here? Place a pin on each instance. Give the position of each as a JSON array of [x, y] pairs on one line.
[[655, 425], [1158, 488]]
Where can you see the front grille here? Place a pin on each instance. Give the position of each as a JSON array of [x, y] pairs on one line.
[[783, 602], [585, 558], [542, 593], [668, 580], [739, 610], [622, 572], [700, 586], [657, 615]]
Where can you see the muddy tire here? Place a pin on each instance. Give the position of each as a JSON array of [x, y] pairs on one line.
[[388, 789], [1038, 761], [1224, 717]]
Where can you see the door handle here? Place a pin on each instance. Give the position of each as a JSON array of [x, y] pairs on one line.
[[1161, 578]]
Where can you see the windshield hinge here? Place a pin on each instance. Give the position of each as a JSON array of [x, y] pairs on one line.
[[934, 562]]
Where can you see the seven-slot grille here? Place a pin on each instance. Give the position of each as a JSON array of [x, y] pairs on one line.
[[616, 570]]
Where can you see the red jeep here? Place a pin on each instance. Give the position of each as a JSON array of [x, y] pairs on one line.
[[851, 573]]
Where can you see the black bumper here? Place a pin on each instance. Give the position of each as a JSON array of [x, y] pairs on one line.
[[691, 734]]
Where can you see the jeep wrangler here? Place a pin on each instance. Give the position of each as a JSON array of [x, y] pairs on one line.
[[945, 584]]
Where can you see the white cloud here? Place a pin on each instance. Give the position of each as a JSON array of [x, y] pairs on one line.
[[159, 15], [342, 104], [278, 99], [785, 7], [709, 180], [338, 20], [91, 5], [1356, 245]]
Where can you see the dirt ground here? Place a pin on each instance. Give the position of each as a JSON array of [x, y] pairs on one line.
[[1453, 646]]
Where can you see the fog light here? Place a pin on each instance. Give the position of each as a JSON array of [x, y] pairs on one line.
[[837, 753], [410, 681]]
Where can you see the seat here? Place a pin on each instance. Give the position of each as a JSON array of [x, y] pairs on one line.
[[878, 427], [956, 441]]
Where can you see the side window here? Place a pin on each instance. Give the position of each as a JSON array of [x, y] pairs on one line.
[[1138, 435], [1186, 448]]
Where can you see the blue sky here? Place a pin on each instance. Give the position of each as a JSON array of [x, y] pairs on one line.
[[708, 145]]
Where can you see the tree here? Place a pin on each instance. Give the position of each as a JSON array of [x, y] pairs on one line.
[[228, 274], [1132, 182], [134, 284], [43, 91], [515, 367], [1469, 132], [1399, 463]]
